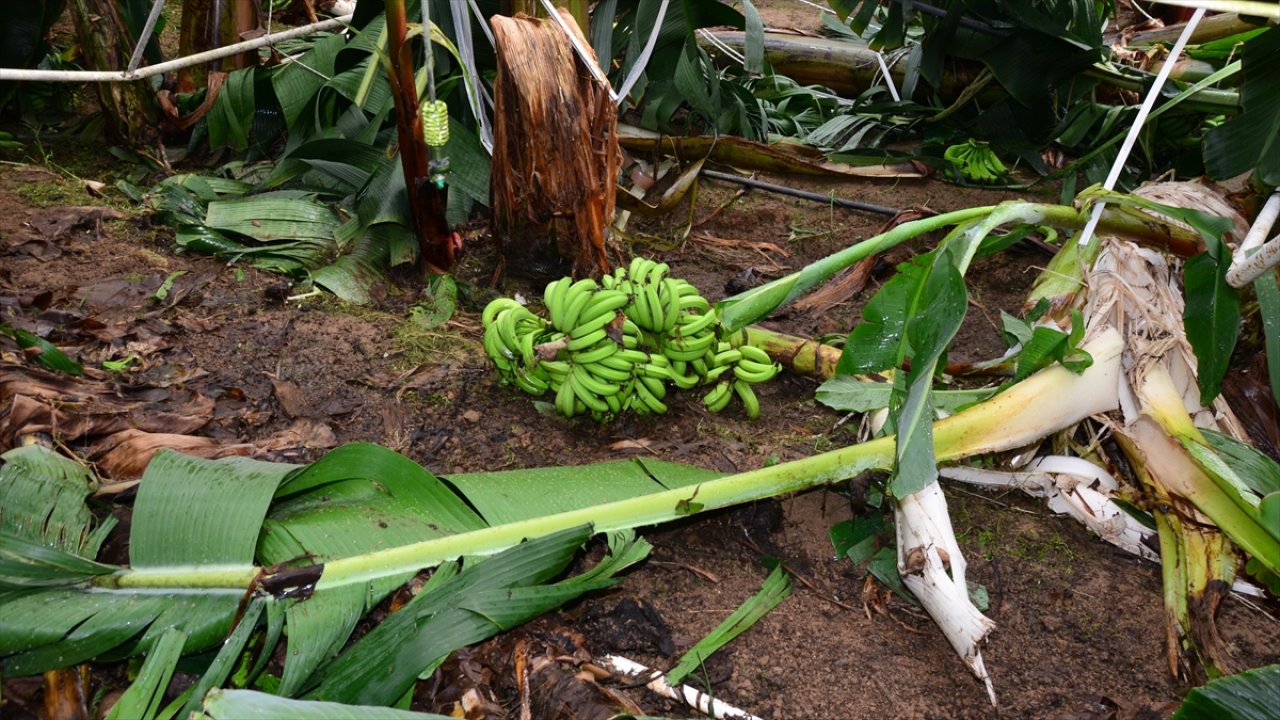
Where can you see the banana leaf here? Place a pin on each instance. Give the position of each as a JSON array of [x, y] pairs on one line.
[[42, 498], [1247, 696], [1251, 140], [252, 705], [297, 83], [199, 526]]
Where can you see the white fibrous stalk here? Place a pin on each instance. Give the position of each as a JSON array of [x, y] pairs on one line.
[[933, 569]]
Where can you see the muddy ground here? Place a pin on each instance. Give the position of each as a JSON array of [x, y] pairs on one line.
[[1080, 626]]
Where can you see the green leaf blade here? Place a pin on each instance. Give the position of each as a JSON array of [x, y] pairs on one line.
[[191, 511], [775, 589], [929, 333], [1212, 318], [254, 705], [1250, 695]]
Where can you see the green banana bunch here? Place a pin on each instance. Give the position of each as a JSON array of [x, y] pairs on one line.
[[7, 141], [976, 161], [616, 345]]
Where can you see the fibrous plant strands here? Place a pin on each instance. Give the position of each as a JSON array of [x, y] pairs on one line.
[[555, 155]]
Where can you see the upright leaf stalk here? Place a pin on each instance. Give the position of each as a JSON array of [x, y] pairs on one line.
[[427, 201]]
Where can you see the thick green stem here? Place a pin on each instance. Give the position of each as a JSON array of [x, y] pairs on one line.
[[1046, 402], [232, 578], [851, 68], [756, 304]]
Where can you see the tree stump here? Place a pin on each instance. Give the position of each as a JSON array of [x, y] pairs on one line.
[[555, 155]]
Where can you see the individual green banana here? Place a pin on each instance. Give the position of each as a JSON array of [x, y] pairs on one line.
[[586, 341], [682, 378], [584, 393], [748, 396], [652, 370], [530, 382], [670, 299], [695, 303], [726, 357], [606, 373], [754, 372], [579, 294], [505, 322], [718, 398], [755, 354], [557, 370], [595, 385], [638, 311], [636, 356], [640, 267], [699, 365], [566, 399], [604, 303], [691, 324], [688, 348], [554, 296], [957, 154], [615, 403], [596, 323], [656, 387], [596, 353], [714, 373], [492, 309], [654, 308], [619, 361], [527, 353], [501, 356], [651, 402]]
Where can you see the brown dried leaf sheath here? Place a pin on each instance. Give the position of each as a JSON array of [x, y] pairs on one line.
[[555, 155]]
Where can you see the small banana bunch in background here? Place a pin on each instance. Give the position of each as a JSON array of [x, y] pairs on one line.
[[617, 344], [976, 161]]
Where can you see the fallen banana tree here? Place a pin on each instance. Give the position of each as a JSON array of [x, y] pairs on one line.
[[225, 546], [219, 546]]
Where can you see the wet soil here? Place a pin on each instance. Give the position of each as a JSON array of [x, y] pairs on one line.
[[1080, 626]]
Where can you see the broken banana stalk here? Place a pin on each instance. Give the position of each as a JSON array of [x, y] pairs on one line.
[[1133, 290], [933, 569]]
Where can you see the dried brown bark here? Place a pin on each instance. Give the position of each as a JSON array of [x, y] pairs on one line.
[[555, 156]]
